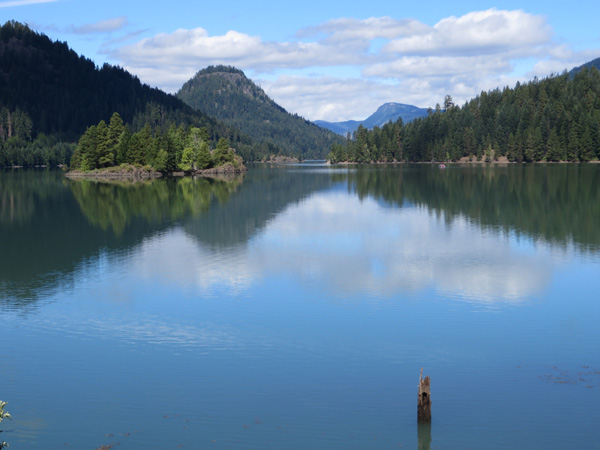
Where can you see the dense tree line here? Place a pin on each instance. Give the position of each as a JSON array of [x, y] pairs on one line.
[[554, 119], [562, 200], [49, 96], [46, 89], [225, 93], [174, 149], [64, 93], [17, 148]]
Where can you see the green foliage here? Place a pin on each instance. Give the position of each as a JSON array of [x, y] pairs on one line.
[[52, 83], [174, 149], [18, 148], [112, 206], [554, 119], [196, 153], [46, 102], [15, 123], [188, 159], [226, 94], [46, 89], [560, 200], [203, 157], [222, 153], [161, 161], [42, 151]]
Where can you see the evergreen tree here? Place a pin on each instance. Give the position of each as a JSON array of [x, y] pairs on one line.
[[116, 128], [553, 146], [222, 154], [106, 157], [528, 112], [573, 145], [86, 156], [204, 159], [161, 161], [122, 152], [587, 152]]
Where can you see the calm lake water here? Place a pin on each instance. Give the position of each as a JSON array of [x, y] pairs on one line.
[[293, 308]]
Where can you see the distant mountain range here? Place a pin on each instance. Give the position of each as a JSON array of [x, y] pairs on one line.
[[225, 93], [384, 114]]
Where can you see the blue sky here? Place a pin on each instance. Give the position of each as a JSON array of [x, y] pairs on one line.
[[328, 59]]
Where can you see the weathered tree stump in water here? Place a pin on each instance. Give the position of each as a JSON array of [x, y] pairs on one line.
[[424, 402], [424, 436]]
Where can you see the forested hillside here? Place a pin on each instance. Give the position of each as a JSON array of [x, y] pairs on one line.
[[50, 96], [554, 119], [228, 95], [588, 65], [49, 92]]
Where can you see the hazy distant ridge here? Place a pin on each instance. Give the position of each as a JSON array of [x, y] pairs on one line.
[[384, 114]]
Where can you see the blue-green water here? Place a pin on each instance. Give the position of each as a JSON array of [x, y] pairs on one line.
[[295, 307]]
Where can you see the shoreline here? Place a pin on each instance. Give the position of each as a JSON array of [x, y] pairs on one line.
[[115, 173], [130, 172], [463, 161]]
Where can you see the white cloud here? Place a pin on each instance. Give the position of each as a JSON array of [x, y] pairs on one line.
[[349, 29], [103, 26], [440, 66], [357, 65], [330, 243], [478, 33], [336, 99], [16, 3], [166, 56]]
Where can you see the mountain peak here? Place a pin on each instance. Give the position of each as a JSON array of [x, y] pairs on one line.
[[223, 82], [220, 69], [225, 92], [388, 112]]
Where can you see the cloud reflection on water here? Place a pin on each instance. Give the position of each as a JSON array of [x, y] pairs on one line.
[[338, 243]]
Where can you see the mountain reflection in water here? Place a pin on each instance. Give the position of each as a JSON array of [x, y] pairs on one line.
[[380, 240], [293, 308]]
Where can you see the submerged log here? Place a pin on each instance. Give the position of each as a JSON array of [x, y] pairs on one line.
[[424, 401]]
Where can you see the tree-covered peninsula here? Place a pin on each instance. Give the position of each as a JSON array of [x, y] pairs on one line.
[[177, 149], [554, 119]]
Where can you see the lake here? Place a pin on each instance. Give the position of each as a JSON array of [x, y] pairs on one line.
[[294, 307]]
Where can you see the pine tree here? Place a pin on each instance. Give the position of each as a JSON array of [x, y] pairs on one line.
[[587, 152], [203, 159], [106, 157], [86, 156], [573, 145], [221, 155], [553, 152], [122, 151], [115, 129]]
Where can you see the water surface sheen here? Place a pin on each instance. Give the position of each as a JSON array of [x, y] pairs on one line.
[[293, 308]]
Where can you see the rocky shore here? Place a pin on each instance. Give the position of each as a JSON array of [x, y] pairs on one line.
[[123, 172], [134, 173]]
